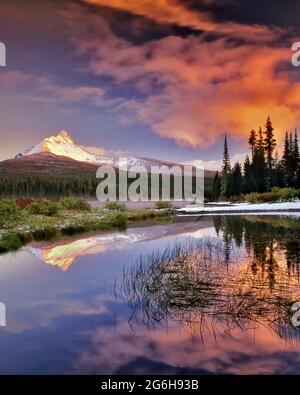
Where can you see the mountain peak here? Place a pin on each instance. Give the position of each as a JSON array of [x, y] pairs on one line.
[[65, 135], [62, 144]]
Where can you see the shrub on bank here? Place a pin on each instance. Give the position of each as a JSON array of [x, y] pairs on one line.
[[8, 212], [71, 230], [10, 242], [49, 209], [275, 195], [23, 203], [46, 233], [121, 221], [52, 208], [115, 206], [162, 204], [73, 203]]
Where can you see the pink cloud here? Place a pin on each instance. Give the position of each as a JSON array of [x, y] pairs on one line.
[[44, 90], [13, 78]]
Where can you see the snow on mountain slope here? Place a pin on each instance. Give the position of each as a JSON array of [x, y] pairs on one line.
[[63, 145]]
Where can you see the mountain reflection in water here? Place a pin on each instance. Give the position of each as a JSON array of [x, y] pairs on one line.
[[64, 253]]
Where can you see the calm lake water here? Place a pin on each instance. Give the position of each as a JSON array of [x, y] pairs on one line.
[[204, 296]]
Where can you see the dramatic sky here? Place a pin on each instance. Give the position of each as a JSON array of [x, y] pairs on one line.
[[156, 78]]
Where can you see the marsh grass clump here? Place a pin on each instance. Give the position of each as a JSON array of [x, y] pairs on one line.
[[275, 195], [46, 233], [10, 242], [120, 221], [115, 206], [49, 209], [73, 203], [35, 208], [162, 204], [192, 283], [70, 230], [143, 215], [53, 209], [25, 237], [165, 281], [9, 212]]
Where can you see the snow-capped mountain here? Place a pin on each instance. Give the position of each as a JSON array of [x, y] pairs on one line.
[[63, 145]]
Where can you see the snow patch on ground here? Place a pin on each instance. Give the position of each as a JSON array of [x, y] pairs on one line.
[[242, 207]]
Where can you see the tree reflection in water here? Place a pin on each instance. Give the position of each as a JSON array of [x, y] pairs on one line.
[[267, 239], [248, 276]]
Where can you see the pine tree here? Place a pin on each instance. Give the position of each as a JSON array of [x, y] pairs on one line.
[[226, 170], [236, 180], [286, 151], [247, 181], [216, 186], [259, 165], [291, 143], [226, 158], [297, 178], [289, 161], [269, 146], [260, 140], [295, 161], [252, 141], [278, 172], [296, 147]]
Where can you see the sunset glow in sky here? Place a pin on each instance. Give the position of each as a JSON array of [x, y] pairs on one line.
[[156, 78]]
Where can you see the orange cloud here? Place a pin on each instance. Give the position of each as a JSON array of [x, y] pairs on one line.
[[176, 13], [187, 89], [231, 89], [193, 89], [162, 11]]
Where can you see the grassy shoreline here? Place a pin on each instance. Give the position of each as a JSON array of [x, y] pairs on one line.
[[47, 221]]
